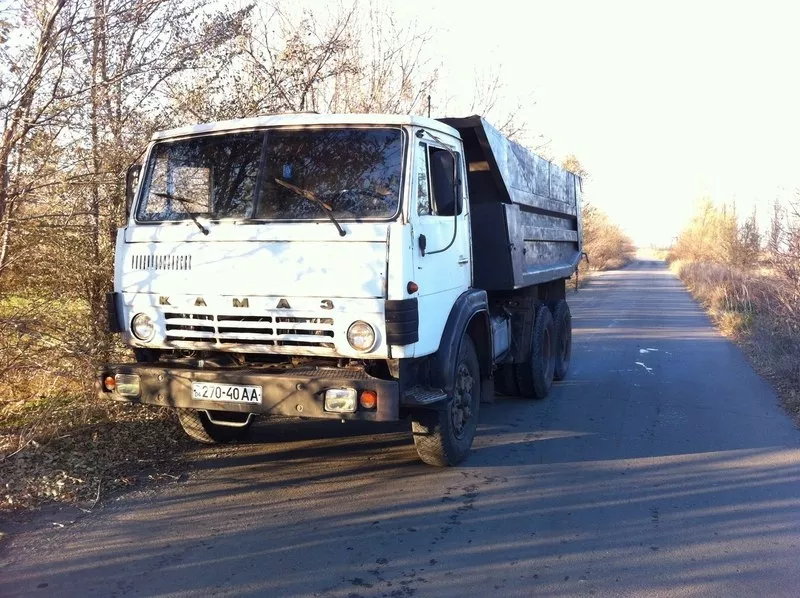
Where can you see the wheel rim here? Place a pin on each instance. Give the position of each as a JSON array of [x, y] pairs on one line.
[[461, 405]]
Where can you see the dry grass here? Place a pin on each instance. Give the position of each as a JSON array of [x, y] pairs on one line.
[[58, 441], [46, 372], [754, 309], [130, 447]]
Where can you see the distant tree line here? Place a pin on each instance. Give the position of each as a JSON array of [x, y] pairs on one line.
[[717, 235]]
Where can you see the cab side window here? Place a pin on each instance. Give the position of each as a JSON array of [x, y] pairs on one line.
[[436, 183]]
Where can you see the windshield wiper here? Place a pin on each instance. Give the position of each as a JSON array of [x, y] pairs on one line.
[[184, 202], [311, 197]]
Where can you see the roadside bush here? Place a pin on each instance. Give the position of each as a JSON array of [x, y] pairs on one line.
[[715, 236], [604, 242]]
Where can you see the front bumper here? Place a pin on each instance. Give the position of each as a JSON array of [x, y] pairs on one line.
[[290, 393]]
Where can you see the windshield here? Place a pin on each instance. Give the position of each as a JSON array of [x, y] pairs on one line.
[[278, 174]]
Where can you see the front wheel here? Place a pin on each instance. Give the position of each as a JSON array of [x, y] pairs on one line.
[[444, 436], [198, 426]]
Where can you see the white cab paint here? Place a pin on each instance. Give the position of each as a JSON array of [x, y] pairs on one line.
[[322, 269]]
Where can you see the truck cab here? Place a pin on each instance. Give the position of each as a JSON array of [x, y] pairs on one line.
[[318, 266]]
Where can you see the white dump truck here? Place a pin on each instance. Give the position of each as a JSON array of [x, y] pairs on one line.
[[356, 267]]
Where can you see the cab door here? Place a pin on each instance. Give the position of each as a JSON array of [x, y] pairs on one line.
[[442, 256]]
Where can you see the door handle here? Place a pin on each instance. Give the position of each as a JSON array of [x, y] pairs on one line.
[[463, 260]]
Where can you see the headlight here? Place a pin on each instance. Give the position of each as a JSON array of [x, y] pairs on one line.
[[361, 336], [142, 327]]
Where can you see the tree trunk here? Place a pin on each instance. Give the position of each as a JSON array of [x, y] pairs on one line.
[[96, 283], [18, 126]]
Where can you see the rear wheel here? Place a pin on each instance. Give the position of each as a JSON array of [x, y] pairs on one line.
[[563, 347], [535, 375], [199, 426], [444, 436]]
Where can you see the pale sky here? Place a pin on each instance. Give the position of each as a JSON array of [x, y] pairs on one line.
[[663, 103]]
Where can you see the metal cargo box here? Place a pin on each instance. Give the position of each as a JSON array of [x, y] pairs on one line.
[[525, 210]]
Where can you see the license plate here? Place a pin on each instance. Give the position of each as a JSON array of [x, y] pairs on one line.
[[230, 393]]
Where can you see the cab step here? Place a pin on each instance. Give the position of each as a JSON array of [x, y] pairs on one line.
[[420, 395]]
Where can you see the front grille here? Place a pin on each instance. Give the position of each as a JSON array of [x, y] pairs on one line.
[[271, 330], [161, 262]]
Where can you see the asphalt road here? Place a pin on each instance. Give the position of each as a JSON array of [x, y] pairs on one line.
[[663, 466]]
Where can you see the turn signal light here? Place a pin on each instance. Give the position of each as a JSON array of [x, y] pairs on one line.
[[412, 287], [109, 383], [368, 399]]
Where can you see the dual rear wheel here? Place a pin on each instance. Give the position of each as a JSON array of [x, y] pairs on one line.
[[549, 356]]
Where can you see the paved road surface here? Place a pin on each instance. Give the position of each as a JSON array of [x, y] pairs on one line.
[[662, 467]]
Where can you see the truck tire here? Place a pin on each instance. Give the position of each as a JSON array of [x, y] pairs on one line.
[[505, 380], [563, 325], [199, 427], [444, 436], [535, 376]]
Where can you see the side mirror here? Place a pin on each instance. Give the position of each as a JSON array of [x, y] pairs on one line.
[[131, 183]]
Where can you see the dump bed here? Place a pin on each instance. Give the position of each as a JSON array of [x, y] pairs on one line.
[[525, 210]]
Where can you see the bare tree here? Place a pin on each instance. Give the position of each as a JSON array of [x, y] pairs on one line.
[[748, 245], [785, 261], [490, 100], [573, 165], [330, 60], [391, 73], [775, 232], [23, 74]]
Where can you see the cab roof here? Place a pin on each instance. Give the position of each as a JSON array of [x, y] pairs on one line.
[[306, 119]]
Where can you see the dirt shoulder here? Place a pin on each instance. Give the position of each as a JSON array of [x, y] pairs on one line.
[[132, 448]]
